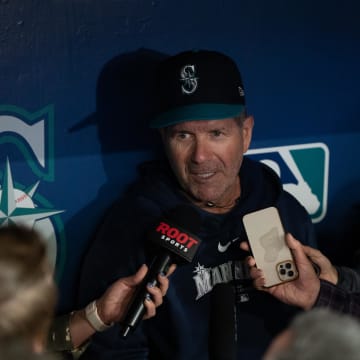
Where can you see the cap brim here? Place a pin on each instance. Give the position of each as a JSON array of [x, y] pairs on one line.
[[197, 112]]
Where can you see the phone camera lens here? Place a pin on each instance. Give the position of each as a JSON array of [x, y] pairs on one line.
[[288, 265], [282, 271], [291, 273]]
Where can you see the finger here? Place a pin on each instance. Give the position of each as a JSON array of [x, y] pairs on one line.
[[244, 246], [318, 259], [304, 262], [137, 277], [258, 277], [133, 280], [156, 295], [150, 308], [259, 283], [250, 261], [315, 255], [296, 248], [172, 268], [312, 252], [163, 284], [255, 272]]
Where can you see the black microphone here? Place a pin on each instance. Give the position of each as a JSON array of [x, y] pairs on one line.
[[222, 323], [174, 239]]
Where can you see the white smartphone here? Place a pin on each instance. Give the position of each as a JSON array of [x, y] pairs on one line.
[[266, 237]]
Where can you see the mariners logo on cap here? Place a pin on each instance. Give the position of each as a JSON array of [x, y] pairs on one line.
[[189, 80]]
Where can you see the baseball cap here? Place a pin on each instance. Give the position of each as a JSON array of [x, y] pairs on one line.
[[197, 85]]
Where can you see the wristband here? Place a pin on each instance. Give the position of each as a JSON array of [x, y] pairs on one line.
[[93, 318]]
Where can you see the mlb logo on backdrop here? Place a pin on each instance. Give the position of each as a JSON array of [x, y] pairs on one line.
[[303, 170]]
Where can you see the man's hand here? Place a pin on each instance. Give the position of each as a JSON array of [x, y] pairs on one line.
[[114, 302], [327, 271], [302, 291]]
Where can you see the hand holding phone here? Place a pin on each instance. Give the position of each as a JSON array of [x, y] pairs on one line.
[[266, 237]]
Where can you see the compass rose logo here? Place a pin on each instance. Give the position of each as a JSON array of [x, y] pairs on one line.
[[17, 207], [33, 137]]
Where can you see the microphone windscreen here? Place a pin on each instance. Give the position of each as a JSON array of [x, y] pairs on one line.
[[176, 233], [222, 328]]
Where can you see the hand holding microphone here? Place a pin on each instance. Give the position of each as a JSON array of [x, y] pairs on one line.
[[173, 236]]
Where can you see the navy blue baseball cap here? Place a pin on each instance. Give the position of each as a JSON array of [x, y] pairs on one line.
[[197, 85]]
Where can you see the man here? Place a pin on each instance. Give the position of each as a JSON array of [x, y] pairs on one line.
[[309, 290], [205, 130]]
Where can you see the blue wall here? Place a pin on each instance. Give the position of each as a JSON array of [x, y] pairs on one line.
[[76, 77]]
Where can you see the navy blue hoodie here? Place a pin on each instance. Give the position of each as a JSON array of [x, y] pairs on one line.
[[180, 331]]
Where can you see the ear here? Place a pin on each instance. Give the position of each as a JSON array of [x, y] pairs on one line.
[[246, 129]]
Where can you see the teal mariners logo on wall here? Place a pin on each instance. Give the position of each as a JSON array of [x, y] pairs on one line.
[[26, 161], [303, 170]]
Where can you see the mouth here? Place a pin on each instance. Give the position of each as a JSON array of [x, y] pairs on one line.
[[203, 175]]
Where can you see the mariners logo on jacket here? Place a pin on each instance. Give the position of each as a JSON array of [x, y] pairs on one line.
[[303, 170]]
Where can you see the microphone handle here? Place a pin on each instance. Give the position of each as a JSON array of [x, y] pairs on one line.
[[137, 308]]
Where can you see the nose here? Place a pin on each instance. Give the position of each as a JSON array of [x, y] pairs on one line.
[[201, 151]]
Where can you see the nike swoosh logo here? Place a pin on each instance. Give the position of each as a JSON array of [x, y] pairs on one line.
[[223, 248]]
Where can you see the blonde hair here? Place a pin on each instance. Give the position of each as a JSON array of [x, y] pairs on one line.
[[27, 290]]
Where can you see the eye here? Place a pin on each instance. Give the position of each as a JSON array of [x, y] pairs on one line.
[[182, 135], [217, 133]]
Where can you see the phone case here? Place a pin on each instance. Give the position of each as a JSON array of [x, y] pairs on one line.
[[267, 242]]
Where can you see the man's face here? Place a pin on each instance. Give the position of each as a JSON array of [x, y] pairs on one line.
[[206, 156]]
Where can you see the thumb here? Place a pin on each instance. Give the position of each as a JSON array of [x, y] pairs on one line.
[[296, 248], [136, 279]]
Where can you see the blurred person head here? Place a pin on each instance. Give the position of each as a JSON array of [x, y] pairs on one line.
[[319, 334], [27, 290]]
